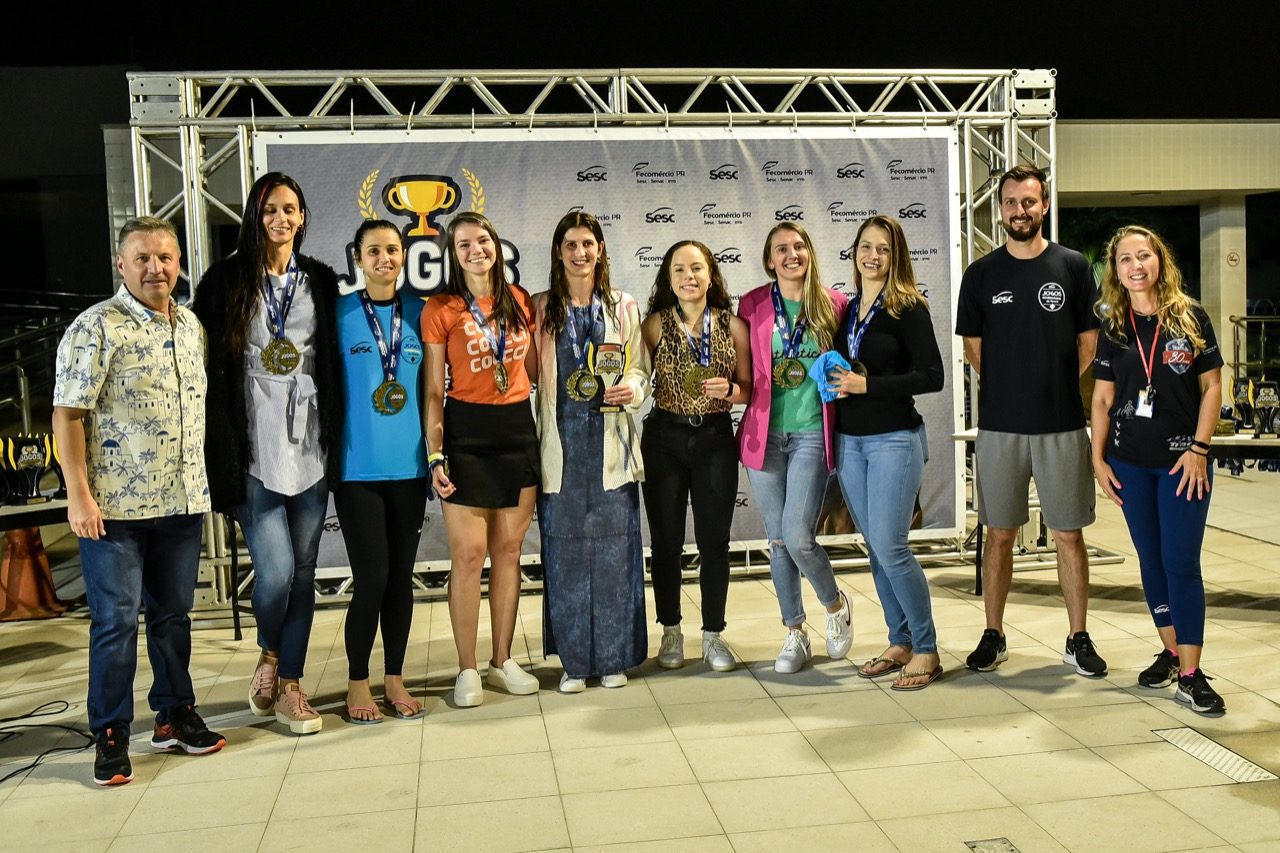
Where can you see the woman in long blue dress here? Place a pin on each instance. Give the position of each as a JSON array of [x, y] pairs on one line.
[[589, 503]]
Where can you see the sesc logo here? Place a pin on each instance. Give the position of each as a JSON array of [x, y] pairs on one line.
[[915, 210], [593, 173], [731, 255], [847, 254], [852, 170], [724, 172], [661, 215], [790, 213]]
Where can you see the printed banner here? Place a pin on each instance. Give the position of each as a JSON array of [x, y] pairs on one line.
[[649, 188]]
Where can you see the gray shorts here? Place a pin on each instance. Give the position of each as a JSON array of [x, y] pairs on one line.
[[1059, 461]]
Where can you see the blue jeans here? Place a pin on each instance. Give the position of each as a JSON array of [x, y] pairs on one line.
[[1167, 532], [880, 476], [152, 564], [789, 489], [283, 535]]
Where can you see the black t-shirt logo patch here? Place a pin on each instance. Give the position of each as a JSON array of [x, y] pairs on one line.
[[1004, 297], [1052, 296], [1178, 356]]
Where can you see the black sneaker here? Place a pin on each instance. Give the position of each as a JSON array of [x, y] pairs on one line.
[[1162, 673], [990, 653], [111, 766], [1083, 656], [186, 731], [1194, 691]]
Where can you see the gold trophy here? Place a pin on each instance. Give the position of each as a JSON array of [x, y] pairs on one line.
[[421, 195], [1266, 405], [27, 456], [609, 361]]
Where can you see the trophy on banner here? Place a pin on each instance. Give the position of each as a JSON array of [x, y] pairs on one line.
[[609, 361], [421, 195], [1266, 406], [1242, 399]]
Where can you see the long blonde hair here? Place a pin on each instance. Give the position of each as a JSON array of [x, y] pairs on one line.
[[816, 305], [900, 290], [1174, 306]]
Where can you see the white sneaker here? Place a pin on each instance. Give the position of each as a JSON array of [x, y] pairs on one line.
[[796, 652], [572, 685], [512, 678], [671, 653], [614, 679], [840, 629], [467, 690], [716, 653]]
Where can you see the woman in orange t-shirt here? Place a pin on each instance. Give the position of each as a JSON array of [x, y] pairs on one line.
[[482, 446]]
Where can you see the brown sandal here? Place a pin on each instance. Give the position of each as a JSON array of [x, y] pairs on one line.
[[933, 676], [862, 670]]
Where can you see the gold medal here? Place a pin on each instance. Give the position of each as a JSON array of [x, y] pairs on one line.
[[582, 385], [389, 397], [281, 357], [789, 373], [857, 367], [500, 377], [694, 378]]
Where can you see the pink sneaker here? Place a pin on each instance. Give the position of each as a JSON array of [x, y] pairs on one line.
[[262, 690], [293, 709]]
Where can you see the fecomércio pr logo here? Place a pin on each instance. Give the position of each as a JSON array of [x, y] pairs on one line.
[[775, 173], [645, 173], [901, 171], [648, 258], [713, 215], [849, 215]]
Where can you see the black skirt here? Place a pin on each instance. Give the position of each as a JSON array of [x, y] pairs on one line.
[[493, 452]]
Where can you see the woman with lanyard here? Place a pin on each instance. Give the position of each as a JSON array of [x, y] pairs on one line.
[[1156, 400], [275, 420], [589, 505], [383, 493], [888, 339], [482, 447], [701, 359], [784, 439]]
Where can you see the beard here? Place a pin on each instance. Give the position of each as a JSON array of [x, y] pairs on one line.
[[1024, 233]]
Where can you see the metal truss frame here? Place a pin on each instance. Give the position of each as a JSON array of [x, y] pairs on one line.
[[192, 133]]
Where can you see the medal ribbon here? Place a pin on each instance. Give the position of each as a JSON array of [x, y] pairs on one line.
[[498, 342], [278, 312], [579, 351], [701, 352], [390, 355], [856, 329], [1148, 364], [791, 338]]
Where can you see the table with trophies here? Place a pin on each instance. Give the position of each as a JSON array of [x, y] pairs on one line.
[[26, 583]]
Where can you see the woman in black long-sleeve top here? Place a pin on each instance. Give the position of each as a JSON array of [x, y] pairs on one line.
[[887, 336]]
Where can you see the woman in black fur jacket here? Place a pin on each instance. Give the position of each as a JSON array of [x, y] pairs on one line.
[[274, 421]]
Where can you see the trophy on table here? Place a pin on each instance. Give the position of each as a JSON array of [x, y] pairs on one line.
[[1266, 406], [421, 195], [1242, 399], [25, 459], [609, 361]]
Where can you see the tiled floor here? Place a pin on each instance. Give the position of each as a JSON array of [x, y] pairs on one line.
[[693, 760]]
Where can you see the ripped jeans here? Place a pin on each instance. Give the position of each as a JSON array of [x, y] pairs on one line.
[[789, 489]]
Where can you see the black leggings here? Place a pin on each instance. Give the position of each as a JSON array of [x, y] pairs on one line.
[[381, 523], [685, 464]]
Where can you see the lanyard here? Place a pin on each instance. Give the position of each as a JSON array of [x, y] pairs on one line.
[[571, 326], [856, 329], [498, 342], [701, 351], [791, 338], [390, 354], [278, 312], [1148, 364]]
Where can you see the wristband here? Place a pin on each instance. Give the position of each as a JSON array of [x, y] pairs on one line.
[[1197, 452], [1201, 444]]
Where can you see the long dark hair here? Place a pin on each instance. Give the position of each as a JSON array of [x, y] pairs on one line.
[[664, 297], [505, 308], [559, 299], [251, 255]]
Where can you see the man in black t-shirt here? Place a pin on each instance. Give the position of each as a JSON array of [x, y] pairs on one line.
[[1026, 315]]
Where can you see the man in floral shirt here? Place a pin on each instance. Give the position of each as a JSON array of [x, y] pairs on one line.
[[129, 420]]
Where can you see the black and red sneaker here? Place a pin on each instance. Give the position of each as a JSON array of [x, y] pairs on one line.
[[111, 766], [187, 732]]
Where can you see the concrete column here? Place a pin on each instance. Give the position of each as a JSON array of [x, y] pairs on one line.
[[1222, 269]]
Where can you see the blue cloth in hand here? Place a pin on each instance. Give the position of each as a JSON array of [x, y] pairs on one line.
[[819, 369]]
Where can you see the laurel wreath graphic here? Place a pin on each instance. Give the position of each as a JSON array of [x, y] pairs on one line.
[[477, 191], [365, 199]]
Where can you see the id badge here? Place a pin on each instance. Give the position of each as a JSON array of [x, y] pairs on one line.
[[1146, 401]]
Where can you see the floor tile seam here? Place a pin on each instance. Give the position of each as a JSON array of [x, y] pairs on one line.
[[135, 836], [1048, 831]]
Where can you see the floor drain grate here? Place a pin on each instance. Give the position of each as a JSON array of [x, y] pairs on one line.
[[1215, 755], [992, 845]]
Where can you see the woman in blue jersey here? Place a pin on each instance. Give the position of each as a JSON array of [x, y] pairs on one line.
[[382, 496]]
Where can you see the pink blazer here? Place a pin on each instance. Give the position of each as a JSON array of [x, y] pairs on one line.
[[756, 309]]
